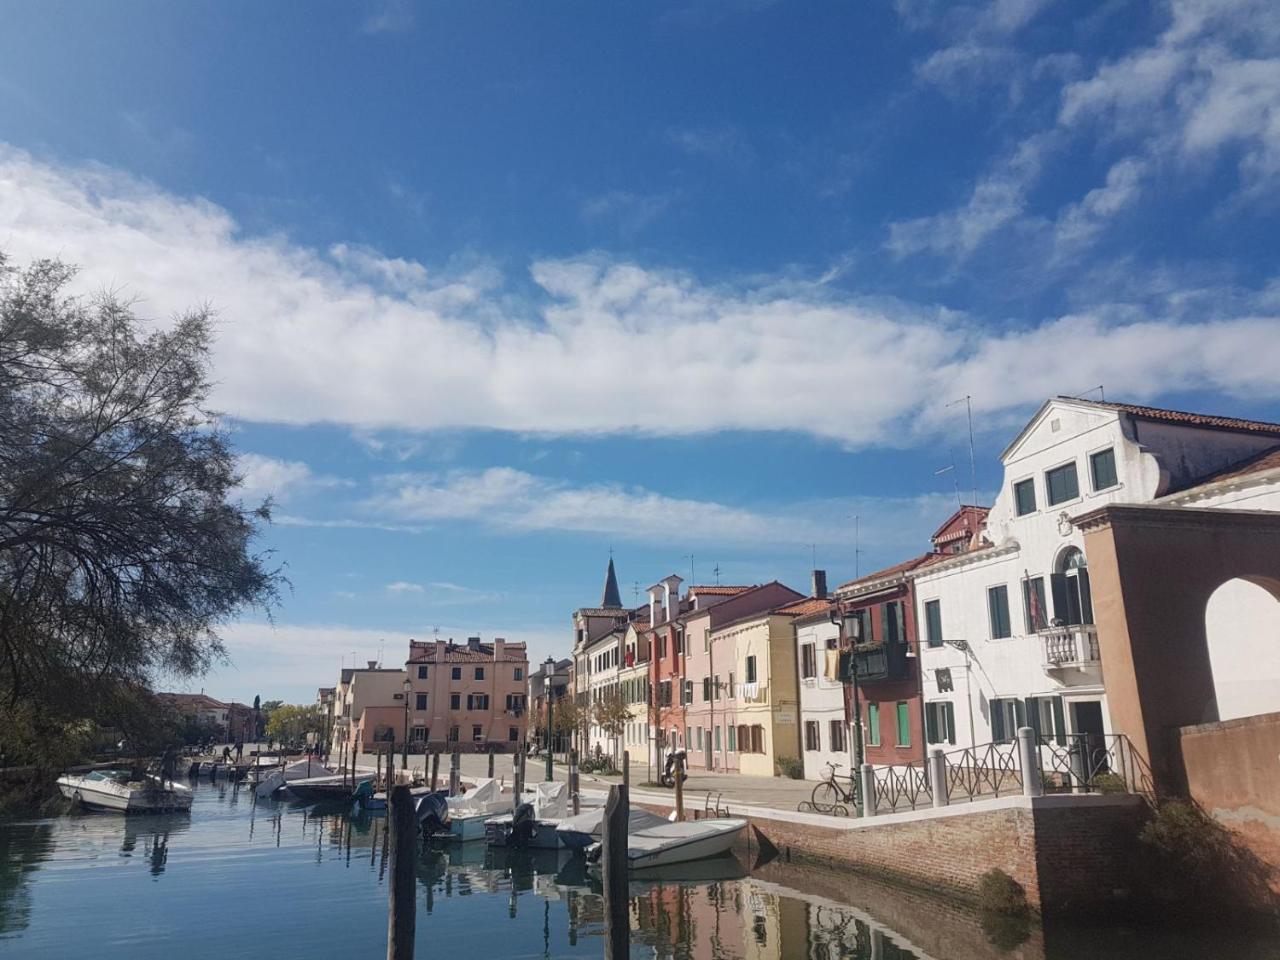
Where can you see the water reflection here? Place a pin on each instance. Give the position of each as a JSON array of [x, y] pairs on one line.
[[311, 882]]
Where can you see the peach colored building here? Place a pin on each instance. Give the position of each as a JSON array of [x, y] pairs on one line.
[[473, 695]]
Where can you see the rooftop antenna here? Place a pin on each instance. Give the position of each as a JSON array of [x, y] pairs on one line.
[[692, 576], [635, 591], [857, 548], [951, 469], [1102, 394], [813, 555], [716, 571], [973, 462]]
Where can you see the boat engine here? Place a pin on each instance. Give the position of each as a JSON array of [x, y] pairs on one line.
[[668, 770], [433, 813], [523, 826]]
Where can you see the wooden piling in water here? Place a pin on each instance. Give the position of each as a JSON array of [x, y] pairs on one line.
[[679, 774], [401, 908], [455, 773], [435, 771], [573, 782], [613, 860], [391, 771], [491, 761]]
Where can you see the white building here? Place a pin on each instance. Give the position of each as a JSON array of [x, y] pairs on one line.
[[824, 734], [1007, 635]]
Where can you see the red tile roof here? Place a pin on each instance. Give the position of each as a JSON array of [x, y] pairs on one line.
[[906, 566], [1189, 419], [804, 608], [718, 590]]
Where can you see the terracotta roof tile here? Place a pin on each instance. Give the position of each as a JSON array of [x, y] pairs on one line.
[[1190, 419], [804, 608], [906, 566], [718, 590]]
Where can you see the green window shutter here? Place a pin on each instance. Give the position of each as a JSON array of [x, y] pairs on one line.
[[950, 710], [904, 725], [1086, 596], [873, 724], [931, 722], [997, 721], [900, 618], [1061, 603], [1033, 715], [1059, 723], [1019, 715]]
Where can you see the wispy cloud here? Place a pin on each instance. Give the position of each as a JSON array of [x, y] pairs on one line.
[[628, 212], [389, 16], [404, 586]]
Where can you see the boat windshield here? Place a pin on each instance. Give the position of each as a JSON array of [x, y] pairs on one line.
[[115, 776]]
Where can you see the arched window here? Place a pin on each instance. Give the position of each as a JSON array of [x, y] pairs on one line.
[[1072, 598]]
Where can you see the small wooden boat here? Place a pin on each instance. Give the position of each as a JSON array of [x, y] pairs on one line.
[[331, 788], [680, 842], [278, 777], [122, 792]]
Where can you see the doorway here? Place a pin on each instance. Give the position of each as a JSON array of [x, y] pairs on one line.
[[1088, 740]]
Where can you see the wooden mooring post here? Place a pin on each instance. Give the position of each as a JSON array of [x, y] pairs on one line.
[[455, 773], [435, 771], [678, 767], [573, 782], [613, 860], [491, 754], [517, 780], [401, 908]]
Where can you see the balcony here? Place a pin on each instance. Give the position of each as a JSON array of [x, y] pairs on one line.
[[880, 661], [1073, 647]]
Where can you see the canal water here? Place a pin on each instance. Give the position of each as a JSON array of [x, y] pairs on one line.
[[265, 879]]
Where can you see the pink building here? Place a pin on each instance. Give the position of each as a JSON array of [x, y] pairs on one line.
[[472, 695]]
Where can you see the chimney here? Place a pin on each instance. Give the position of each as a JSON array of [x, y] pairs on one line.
[[820, 584], [499, 647], [653, 607], [473, 643], [373, 664], [442, 647]]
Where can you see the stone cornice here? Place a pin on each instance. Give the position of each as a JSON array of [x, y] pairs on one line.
[[965, 559], [1170, 517]]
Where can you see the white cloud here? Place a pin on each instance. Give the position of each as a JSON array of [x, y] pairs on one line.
[[389, 16], [378, 344], [978, 46], [630, 212], [403, 586], [268, 477], [1081, 222]]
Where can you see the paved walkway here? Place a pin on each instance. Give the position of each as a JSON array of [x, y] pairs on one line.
[[700, 789]]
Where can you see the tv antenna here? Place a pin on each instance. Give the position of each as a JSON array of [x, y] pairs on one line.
[[857, 545], [692, 576], [951, 469], [716, 571], [973, 461]]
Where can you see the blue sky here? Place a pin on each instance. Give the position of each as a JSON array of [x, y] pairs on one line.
[[502, 286]]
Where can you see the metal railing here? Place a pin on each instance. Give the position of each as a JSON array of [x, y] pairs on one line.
[[1028, 765], [1070, 645]]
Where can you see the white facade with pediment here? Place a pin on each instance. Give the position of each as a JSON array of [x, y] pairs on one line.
[[1017, 645]]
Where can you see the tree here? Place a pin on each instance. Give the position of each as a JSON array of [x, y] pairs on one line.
[[611, 713], [568, 717], [122, 548], [291, 722]]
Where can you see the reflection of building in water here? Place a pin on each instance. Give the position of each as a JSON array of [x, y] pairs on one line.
[[23, 846]]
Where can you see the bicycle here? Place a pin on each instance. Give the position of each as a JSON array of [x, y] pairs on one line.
[[830, 796]]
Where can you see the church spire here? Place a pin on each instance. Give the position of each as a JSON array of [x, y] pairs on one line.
[[611, 596]]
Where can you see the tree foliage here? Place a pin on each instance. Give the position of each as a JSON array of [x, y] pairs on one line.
[[122, 547], [611, 713], [291, 722]]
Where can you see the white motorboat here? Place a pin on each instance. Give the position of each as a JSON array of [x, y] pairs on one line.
[[680, 842], [329, 788], [533, 825], [468, 811], [581, 831], [121, 791], [270, 782]]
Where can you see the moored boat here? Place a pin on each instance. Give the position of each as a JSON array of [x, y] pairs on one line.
[[581, 831], [533, 825], [123, 792], [330, 788], [680, 842]]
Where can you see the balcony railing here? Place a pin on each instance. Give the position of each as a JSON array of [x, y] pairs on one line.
[[1071, 646]]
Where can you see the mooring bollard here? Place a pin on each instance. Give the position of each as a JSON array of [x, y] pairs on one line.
[[613, 859], [401, 917], [938, 777], [573, 782], [1027, 750], [868, 790], [435, 771]]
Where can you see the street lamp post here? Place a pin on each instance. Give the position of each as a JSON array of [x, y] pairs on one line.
[[404, 757], [850, 627], [548, 688]]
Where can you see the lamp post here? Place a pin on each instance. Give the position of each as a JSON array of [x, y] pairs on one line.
[[548, 688], [404, 757], [850, 627]]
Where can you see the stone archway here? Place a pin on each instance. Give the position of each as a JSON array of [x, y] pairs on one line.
[[1242, 629], [1153, 570]]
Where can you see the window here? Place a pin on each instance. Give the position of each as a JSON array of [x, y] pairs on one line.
[[479, 673], [422, 701], [904, 724], [751, 669], [891, 618], [732, 734], [664, 693], [688, 691], [863, 632], [998, 612], [715, 687], [1024, 497], [1062, 484], [757, 739], [1007, 715], [698, 741], [1033, 605], [513, 734], [1102, 468], [873, 724], [662, 645], [679, 647], [422, 673], [1047, 718], [837, 736], [515, 702], [519, 673], [717, 739], [457, 673], [477, 701], [477, 733], [731, 692], [811, 739], [455, 701], [453, 734], [1072, 596], [940, 722], [808, 661], [933, 622], [706, 689], [419, 735]]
